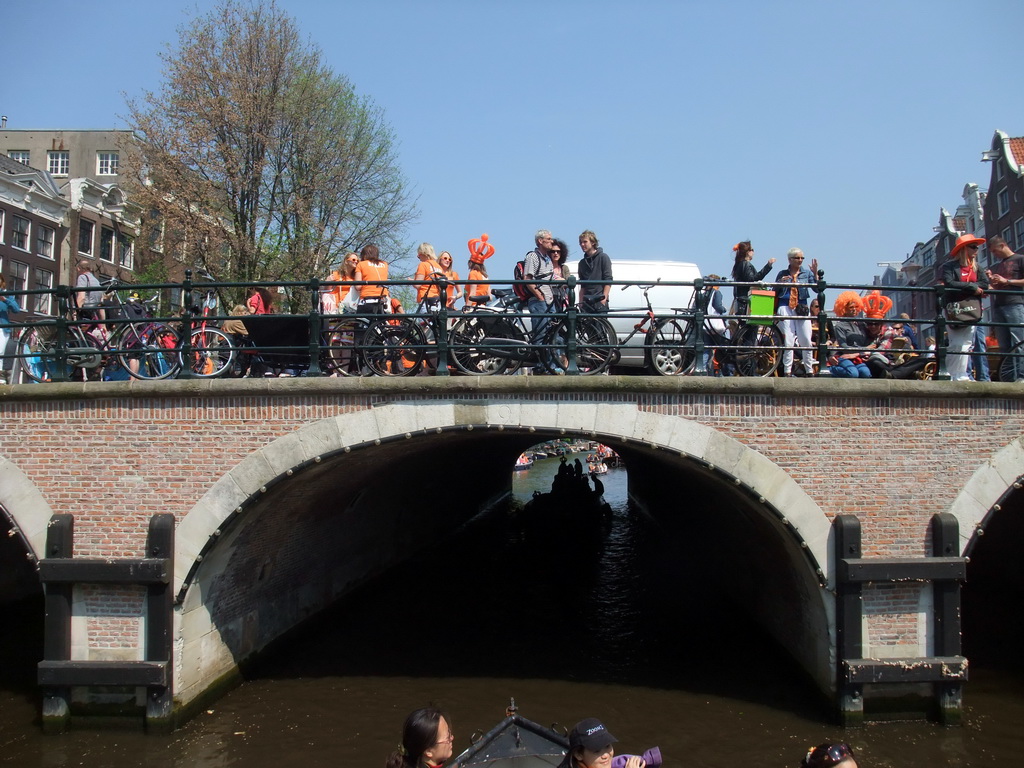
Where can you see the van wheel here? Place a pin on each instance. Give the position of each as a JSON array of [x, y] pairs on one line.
[[669, 349]]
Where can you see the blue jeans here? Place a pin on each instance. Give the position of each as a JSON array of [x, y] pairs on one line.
[[1011, 336], [979, 355], [538, 325], [847, 369]]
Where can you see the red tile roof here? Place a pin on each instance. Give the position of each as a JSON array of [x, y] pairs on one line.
[[1017, 148]]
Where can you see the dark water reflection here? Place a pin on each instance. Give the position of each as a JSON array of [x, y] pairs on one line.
[[612, 625]]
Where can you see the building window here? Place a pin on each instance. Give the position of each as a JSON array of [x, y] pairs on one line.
[[44, 241], [2, 222], [106, 244], [106, 163], [125, 252], [1008, 235], [1000, 172], [1002, 202], [19, 233], [85, 232], [19, 280], [43, 302], [57, 163], [1019, 227], [21, 155]]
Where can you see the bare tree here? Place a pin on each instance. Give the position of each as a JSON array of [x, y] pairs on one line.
[[257, 161]]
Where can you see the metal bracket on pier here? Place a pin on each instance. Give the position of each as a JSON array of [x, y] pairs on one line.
[[947, 669], [60, 571]]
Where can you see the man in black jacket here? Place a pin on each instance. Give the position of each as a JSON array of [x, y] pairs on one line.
[[595, 265]]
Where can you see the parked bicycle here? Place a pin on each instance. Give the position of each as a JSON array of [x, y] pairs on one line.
[[143, 348], [492, 338]]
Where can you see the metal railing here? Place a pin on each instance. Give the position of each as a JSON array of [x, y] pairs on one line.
[[316, 354]]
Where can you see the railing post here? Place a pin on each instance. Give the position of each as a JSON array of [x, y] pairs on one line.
[[440, 323], [63, 309], [822, 346], [571, 317], [315, 327], [186, 327], [700, 306], [946, 611], [942, 372]]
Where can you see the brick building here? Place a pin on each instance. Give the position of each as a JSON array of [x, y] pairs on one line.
[[33, 215], [1004, 209]]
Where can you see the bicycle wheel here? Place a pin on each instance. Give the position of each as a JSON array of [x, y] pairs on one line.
[[342, 356], [1011, 367], [759, 350], [670, 348], [595, 345], [212, 354], [149, 352], [393, 347], [465, 345], [37, 346]]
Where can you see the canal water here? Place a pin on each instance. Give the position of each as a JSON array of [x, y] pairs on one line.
[[588, 615]]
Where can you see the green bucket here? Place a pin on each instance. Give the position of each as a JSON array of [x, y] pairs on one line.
[[762, 307]]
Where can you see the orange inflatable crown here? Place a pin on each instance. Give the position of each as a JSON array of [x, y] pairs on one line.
[[480, 249], [876, 306]]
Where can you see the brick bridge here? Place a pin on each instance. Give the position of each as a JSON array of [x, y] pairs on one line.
[[179, 527]]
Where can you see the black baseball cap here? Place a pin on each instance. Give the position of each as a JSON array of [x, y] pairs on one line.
[[590, 734]]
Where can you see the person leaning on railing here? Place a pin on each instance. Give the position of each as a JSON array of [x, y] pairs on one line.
[[963, 281], [743, 271], [7, 304], [372, 267]]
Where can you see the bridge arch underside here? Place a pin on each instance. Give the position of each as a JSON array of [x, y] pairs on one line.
[[21, 601], [306, 539]]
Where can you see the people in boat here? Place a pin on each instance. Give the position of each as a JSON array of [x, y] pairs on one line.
[[830, 755], [590, 746], [426, 741]]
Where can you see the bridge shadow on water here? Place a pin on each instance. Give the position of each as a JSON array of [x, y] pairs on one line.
[[576, 596]]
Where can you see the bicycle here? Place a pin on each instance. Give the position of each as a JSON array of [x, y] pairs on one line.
[[145, 349], [492, 338], [381, 345], [212, 353], [664, 339]]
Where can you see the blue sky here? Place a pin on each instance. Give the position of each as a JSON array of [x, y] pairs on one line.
[[672, 129]]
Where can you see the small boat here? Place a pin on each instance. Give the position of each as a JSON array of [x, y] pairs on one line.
[[515, 742], [598, 468], [523, 462]]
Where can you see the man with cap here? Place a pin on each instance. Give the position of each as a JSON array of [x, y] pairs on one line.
[[590, 746]]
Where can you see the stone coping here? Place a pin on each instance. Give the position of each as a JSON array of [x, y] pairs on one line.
[[434, 386]]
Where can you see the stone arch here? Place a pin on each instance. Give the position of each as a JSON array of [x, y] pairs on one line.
[[405, 419], [985, 488], [24, 504], [206, 536]]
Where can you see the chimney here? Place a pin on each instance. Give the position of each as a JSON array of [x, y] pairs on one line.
[[3, 121]]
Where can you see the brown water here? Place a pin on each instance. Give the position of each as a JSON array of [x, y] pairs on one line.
[[613, 627]]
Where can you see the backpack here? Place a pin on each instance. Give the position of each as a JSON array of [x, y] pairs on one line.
[[520, 289]]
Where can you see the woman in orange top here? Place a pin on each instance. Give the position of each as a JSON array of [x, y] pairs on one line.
[[347, 273], [428, 295], [477, 271], [453, 291], [372, 267]]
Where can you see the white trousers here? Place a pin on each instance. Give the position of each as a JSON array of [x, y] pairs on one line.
[[797, 331], [961, 339]]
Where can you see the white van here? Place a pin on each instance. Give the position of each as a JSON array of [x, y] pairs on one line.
[[626, 302]]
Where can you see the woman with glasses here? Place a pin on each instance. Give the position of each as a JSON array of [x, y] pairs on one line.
[[828, 755], [963, 281], [559, 255], [743, 271], [453, 291], [791, 303], [426, 741]]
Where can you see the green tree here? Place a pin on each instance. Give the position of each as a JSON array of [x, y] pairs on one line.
[[258, 161]]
